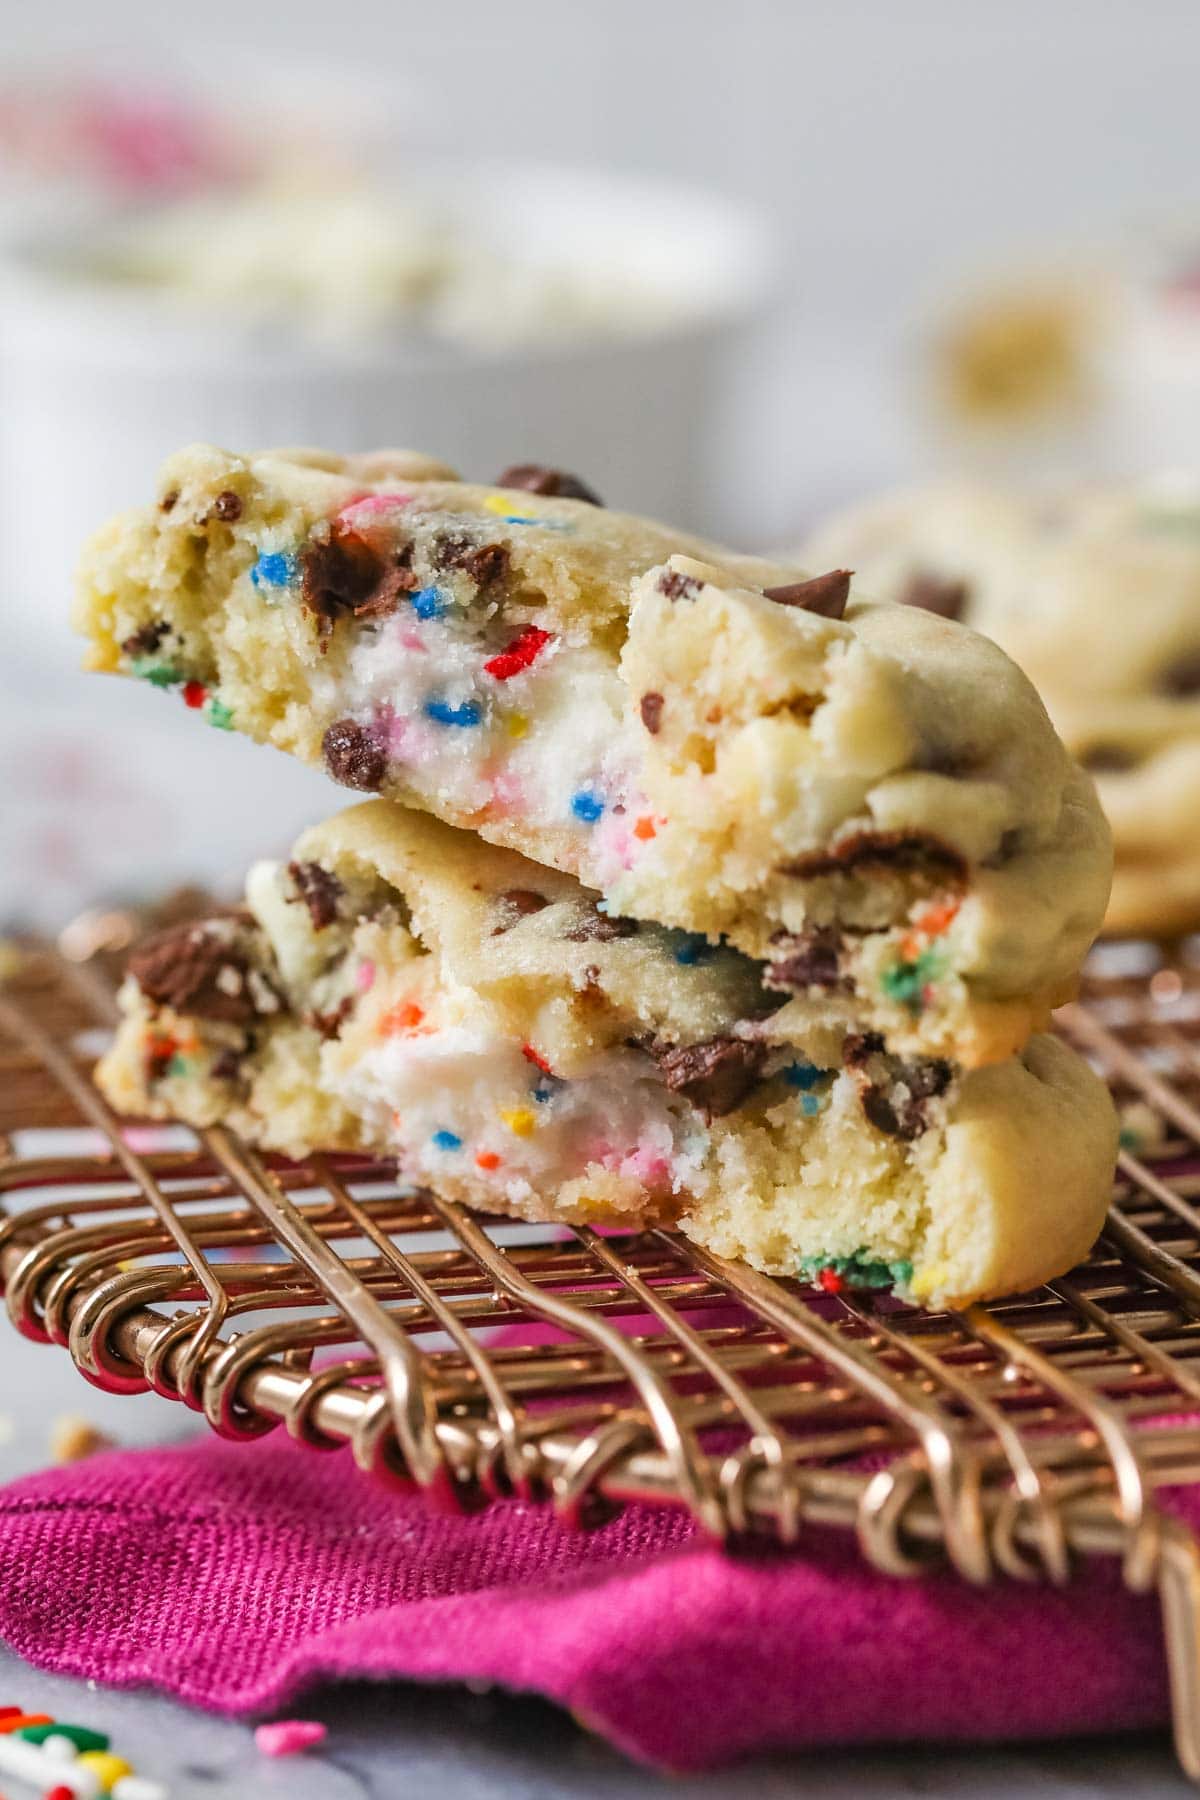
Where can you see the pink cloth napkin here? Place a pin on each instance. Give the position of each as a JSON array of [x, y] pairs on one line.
[[234, 1575]]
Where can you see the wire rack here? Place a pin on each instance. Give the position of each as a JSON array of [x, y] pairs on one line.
[[478, 1358]]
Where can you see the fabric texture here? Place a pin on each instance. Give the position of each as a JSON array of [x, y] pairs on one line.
[[234, 1575]]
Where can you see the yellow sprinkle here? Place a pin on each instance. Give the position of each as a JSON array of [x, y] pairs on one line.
[[499, 503], [516, 724], [520, 1121], [107, 1768], [926, 1280]]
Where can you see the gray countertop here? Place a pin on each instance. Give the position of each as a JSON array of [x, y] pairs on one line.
[[396, 1740]]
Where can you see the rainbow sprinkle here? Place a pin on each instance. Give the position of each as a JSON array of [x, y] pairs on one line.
[[447, 1140], [695, 948], [160, 675], [520, 1121], [272, 568], [442, 713], [587, 805], [430, 603], [862, 1270]]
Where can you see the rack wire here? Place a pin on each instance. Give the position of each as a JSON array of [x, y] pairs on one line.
[[478, 1358]]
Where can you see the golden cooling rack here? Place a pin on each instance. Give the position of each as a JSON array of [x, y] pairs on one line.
[[480, 1358]]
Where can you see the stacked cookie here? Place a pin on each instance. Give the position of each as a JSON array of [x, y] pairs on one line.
[[697, 890], [1097, 595]]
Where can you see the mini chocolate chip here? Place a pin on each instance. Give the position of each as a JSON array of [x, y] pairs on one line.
[[228, 1065], [825, 595], [916, 850], [329, 1024], [227, 507], [354, 756], [715, 1076], [676, 586], [936, 594], [897, 1104], [146, 639], [484, 563], [651, 710], [535, 479], [168, 500], [809, 959], [1108, 759], [517, 904], [600, 927], [320, 891], [859, 1047], [1180, 680], [196, 968]]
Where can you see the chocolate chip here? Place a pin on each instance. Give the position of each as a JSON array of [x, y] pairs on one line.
[[341, 575], [676, 586], [535, 479], [936, 594], [227, 507], [651, 710], [917, 850], [199, 969], [1108, 759], [715, 1076], [516, 904], [484, 563], [227, 1066], [825, 595], [354, 756], [894, 1093], [320, 891], [1180, 680], [809, 959], [168, 500], [329, 1024], [146, 639], [600, 927]]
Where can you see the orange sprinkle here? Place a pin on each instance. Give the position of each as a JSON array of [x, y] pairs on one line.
[[937, 917], [401, 1018], [538, 1061], [19, 1720], [487, 1159], [645, 828]]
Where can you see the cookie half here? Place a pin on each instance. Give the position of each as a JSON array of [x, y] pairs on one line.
[[398, 987]]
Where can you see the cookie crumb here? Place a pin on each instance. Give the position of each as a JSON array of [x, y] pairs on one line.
[[73, 1439]]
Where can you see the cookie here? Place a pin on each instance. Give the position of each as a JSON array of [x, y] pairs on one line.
[[870, 800], [399, 987], [1096, 595]]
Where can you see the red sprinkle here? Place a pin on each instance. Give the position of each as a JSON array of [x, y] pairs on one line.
[[538, 1061], [487, 1159], [17, 1720], [284, 1737], [525, 648], [831, 1282], [194, 693], [59, 1793]]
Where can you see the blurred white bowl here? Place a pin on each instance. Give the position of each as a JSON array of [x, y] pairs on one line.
[[99, 380]]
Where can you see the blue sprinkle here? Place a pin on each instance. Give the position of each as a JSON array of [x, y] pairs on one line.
[[429, 603], [447, 1140], [546, 524], [810, 1105], [541, 1095], [587, 805], [803, 1075], [443, 714], [695, 948], [273, 569]]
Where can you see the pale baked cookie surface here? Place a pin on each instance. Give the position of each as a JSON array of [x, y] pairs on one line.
[[869, 799], [1096, 595], [401, 988]]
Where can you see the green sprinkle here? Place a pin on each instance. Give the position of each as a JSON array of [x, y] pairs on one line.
[[158, 674], [860, 1270], [220, 715], [906, 981], [82, 1736], [178, 1065]]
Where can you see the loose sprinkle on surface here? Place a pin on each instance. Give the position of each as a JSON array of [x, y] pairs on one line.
[[286, 1736]]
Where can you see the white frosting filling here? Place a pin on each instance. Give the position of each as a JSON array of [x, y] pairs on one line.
[[462, 1099]]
